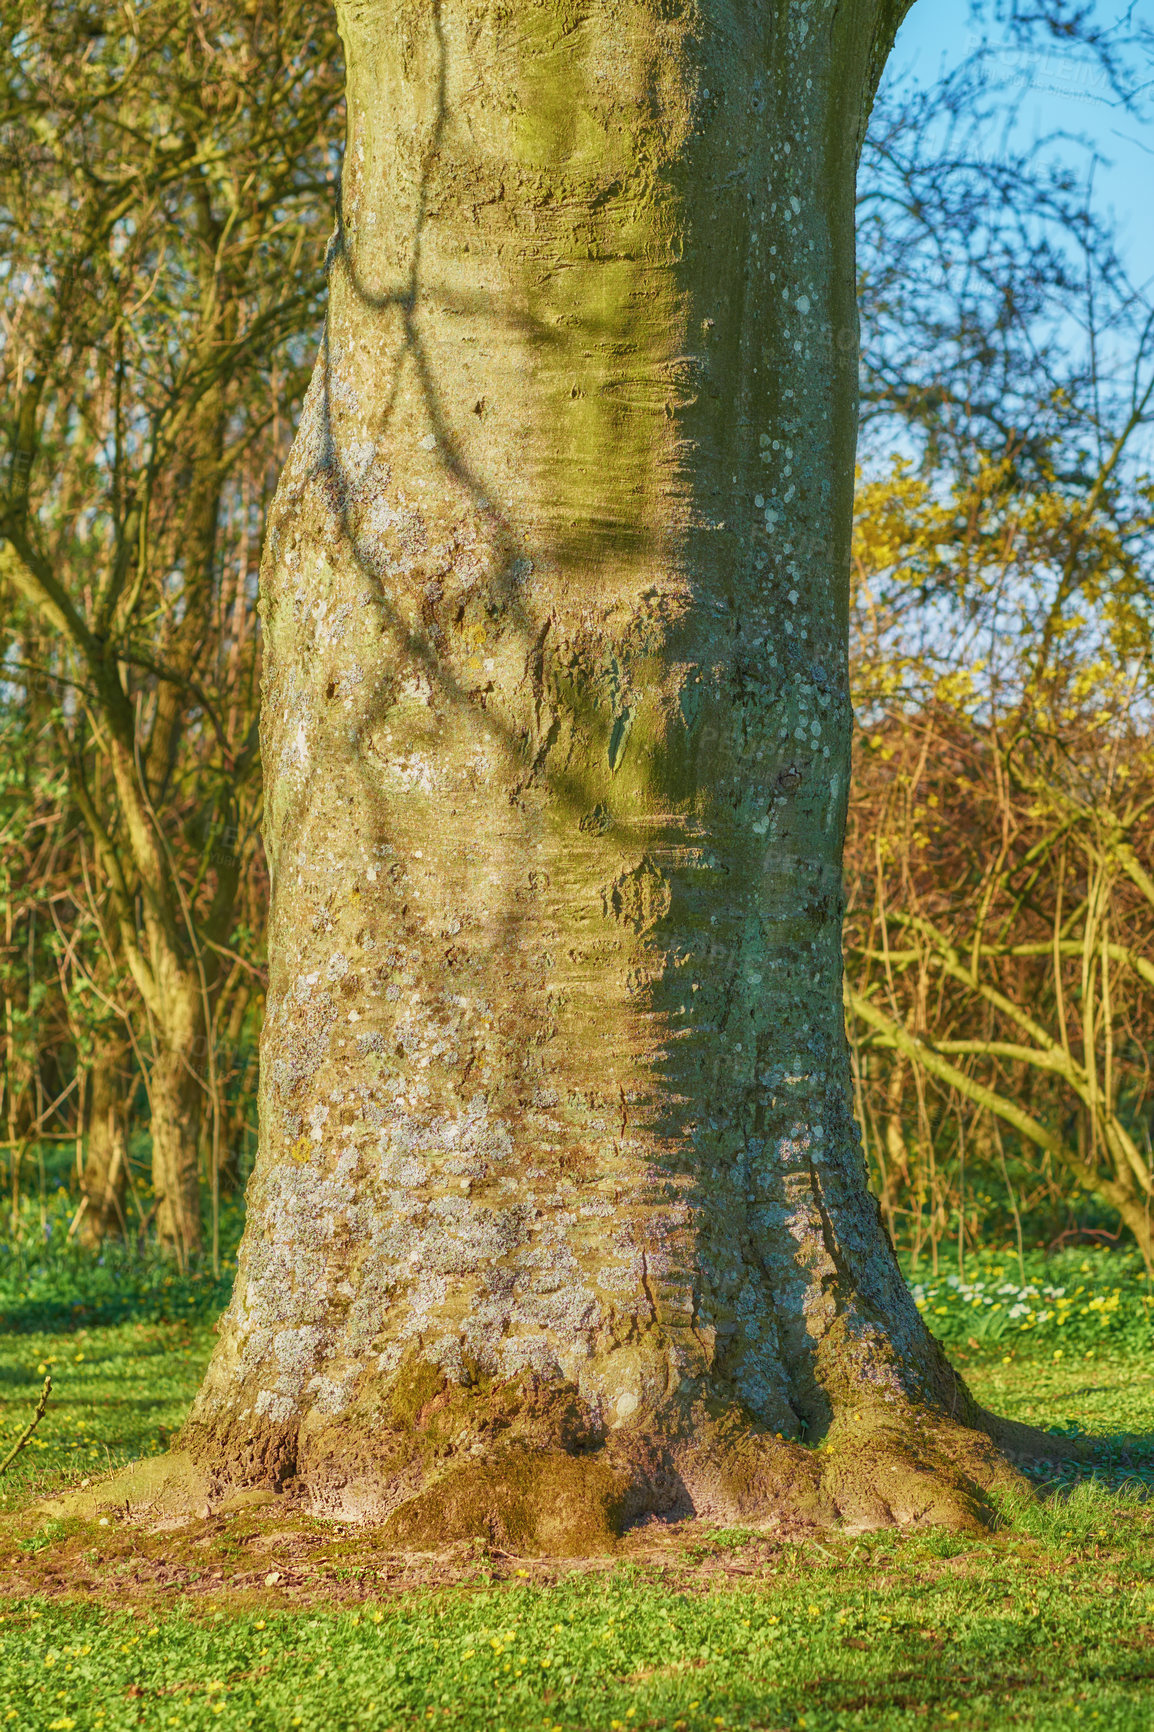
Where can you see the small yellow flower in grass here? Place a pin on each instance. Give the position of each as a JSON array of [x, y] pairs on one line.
[[259, 1624], [814, 1611], [520, 1572], [378, 1617]]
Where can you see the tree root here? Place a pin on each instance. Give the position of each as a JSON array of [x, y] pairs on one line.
[[548, 1483]]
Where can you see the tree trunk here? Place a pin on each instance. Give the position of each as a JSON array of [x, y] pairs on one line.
[[1137, 1213], [176, 1088], [176, 1108], [560, 1213], [171, 989], [104, 1181], [898, 1179]]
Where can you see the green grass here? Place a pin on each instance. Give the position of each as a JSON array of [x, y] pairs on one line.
[[1072, 1301], [279, 1622], [51, 1284], [117, 1393], [1103, 1393], [1036, 1630]]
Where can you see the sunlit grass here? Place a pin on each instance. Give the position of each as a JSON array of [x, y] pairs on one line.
[[1075, 1301], [117, 1393], [1046, 1623], [900, 1633]]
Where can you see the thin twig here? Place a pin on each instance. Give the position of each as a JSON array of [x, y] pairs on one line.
[[26, 1435], [76, 1219]]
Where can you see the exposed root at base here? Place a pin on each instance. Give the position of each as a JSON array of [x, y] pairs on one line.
[[875, 1470]]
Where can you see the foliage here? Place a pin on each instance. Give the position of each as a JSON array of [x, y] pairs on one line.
[[164, 201], [48, 1281], [1070, 1304], [999, 946], [1001, 949]]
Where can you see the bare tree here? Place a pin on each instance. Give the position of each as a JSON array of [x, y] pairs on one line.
[[161, 171]]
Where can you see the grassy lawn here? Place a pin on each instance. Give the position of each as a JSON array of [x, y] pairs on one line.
[[272, 1621]]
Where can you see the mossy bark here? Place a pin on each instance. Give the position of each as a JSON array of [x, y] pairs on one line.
[[558, 1162]]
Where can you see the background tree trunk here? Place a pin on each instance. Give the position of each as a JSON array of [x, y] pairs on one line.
[[560, 1212], [176, 1099], [105, 1178]]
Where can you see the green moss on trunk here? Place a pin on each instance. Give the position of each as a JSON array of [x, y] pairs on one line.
[[557, 1152]]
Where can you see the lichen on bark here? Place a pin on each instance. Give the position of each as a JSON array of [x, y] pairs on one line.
[[559, 1204]]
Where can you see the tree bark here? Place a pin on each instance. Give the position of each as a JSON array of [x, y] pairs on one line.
[[104, 1181], [166, 977], [175, 1094], [560, 1213]]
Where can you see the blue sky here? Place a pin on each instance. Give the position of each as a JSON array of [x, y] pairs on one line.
[[1057, 91]]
